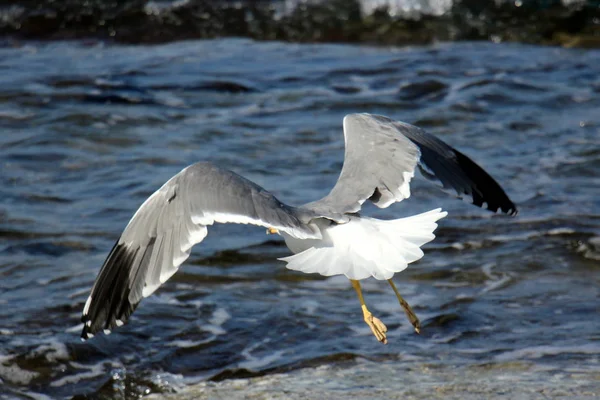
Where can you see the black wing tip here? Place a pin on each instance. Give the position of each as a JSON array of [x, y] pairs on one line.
[[508, 209], [505, 205], [511, 211], [87, 332], [91, 327], [109, 306], [485, 189]]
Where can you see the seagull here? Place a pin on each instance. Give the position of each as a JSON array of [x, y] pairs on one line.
[[328, 236]]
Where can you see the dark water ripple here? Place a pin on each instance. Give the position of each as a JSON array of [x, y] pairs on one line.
[[90, 131]]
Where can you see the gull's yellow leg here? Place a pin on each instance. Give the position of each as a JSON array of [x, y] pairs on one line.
[[409, 312], [377, 327]]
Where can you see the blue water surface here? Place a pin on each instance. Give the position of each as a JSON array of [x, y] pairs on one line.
[[89, 130]]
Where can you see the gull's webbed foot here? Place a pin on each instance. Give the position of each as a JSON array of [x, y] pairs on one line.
[[377, 327], [410, 314]]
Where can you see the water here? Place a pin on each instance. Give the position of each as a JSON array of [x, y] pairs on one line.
[[569, 23], [90, 130]]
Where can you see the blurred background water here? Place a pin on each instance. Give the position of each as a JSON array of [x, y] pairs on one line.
[[570, 23], [90, 129]]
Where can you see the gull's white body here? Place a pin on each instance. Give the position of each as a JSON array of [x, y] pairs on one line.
[[363, 247]]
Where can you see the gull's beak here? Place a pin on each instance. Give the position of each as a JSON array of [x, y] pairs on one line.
[[272, 231]]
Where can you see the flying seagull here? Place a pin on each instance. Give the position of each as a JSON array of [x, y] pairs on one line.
[[328, 236]]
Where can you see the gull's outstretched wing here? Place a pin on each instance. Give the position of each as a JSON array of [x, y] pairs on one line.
[[162, 232], [380, 160]]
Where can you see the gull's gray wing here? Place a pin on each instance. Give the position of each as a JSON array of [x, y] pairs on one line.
[[160, 235], [380, 160]]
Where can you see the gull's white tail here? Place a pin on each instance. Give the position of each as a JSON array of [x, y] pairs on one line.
[[367, 247]]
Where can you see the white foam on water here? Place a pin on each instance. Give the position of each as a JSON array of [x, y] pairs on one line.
[[214, 324], [469, 244], [38, 396], [419, 380], [515, 237], [180, 287], [213, 329], [246, 352], [219, 317], [595, 241], [591, 249], [165, 298], [561, 231], [446, 338], [174, 382], [451, 284], [256, 363], [185, 344], [52, 350], [493, 285], [309, 306], [196, 303], [253, 362], [15, 374], [536, 352], [91, 371], [76, 328], [458, 246], [80, 292], [13, 114], [169, 99], [474, 350], [495, 281]]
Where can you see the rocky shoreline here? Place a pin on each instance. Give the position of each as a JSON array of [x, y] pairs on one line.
[[547, 22]]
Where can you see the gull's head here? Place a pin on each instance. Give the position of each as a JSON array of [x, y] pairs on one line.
[[272, 231]]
